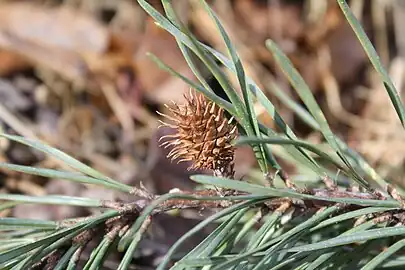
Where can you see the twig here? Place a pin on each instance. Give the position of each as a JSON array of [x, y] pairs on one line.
[[129, 212]]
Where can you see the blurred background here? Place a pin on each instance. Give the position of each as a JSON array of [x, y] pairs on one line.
[[75, 75]]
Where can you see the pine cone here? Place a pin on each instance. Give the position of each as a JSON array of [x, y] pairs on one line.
[[203, 135]]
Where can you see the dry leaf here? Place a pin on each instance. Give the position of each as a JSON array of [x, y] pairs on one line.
[[159, 85], [56, 38]]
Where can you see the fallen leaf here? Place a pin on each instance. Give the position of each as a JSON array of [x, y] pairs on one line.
[[57, 38], [157, 84]]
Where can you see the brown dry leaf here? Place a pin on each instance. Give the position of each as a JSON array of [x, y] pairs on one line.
[[11, 62], [159, 85], [54, 27], [75, 45], [56, 38]]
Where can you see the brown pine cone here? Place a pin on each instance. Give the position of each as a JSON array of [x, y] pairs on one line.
[[203, 135]]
